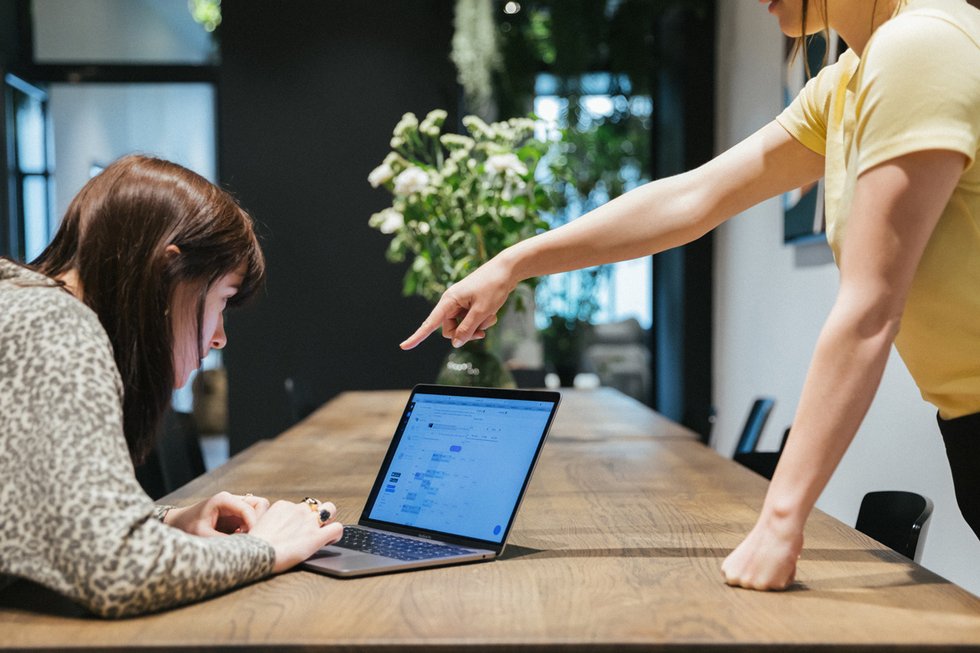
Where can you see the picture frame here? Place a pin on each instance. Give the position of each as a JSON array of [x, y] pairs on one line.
[[803, 208]]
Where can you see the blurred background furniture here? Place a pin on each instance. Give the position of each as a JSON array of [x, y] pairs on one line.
[[897, 519], [618, 353], [754, 423], [761, 462], [176, 458], [298, 397]]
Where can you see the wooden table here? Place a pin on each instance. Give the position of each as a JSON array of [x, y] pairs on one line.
[[617, 546]]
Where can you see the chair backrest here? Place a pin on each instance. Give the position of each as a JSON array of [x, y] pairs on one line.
[[754, 423], [175, 460], [782, 444], [298, 396], [896, 519]]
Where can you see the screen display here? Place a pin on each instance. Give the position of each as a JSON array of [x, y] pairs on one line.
[[461, 464]]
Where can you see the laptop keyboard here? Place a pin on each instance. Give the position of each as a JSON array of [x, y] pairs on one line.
[[393, 546]]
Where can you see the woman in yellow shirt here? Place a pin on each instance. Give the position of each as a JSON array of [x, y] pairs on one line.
[[894, 127]]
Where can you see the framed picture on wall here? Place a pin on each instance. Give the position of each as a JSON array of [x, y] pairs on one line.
[[803, 212]]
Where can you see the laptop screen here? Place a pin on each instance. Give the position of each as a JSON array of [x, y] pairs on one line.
[[461, 464]]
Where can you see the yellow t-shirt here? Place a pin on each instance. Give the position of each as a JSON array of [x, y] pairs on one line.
[[916, 88]]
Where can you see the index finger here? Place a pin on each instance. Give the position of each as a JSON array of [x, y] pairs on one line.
[[438, 315]]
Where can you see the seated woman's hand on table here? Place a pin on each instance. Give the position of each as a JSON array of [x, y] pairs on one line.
[[295, 530], [222, 514]]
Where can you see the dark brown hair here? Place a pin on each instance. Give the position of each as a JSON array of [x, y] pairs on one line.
[[115, 234]]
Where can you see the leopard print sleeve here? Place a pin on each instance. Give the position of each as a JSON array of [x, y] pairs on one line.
[[73, 516], [159, 512]]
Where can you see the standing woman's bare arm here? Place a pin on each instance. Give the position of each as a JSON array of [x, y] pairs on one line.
[[895, 210], [655, 217]]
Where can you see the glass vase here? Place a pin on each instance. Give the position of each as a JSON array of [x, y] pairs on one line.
[[475, 364]]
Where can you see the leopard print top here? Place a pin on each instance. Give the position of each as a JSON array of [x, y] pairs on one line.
[[72, 515]]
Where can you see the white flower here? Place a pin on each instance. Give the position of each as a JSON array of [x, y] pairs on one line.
[[522, 127], [503, 131], [499, 164], [422, 227], [432, 122], [508, 192], [477, 127], [408, 121], [435, 179], [449, 168], [457, 142], [388, 221], [411, 180], [395, 160], [380, 175]]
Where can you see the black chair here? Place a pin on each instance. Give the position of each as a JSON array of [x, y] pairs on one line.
[[762, 462], [754, 423], [176, 458], [898, 520], [298, 396]]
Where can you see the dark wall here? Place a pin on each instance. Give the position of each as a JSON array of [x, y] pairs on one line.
[[14, 44], [309, 92], [682, 278]]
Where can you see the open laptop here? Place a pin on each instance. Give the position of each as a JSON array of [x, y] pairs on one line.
[[450, 484]]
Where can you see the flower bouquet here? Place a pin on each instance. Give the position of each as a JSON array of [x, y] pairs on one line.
[[458, 200]]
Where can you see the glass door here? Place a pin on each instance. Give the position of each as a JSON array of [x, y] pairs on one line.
[[29, 184]]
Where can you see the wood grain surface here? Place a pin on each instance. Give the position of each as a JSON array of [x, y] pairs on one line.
[[617, 547]]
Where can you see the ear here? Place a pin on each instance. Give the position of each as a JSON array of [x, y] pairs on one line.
[[173, 250]]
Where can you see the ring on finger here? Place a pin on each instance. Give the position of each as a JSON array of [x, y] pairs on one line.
[[323, 516]]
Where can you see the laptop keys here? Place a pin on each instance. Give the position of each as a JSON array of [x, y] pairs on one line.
[[393, 546]]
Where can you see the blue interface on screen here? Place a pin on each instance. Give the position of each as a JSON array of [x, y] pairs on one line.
[[461, 464]]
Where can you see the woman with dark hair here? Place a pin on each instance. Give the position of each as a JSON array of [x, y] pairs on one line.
[[894, 128], [94, 336]]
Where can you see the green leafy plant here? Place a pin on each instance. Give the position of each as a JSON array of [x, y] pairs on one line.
[[458, 200]]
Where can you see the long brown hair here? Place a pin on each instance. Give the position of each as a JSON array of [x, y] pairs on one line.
[[115, 235]]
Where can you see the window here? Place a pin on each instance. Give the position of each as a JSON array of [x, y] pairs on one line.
[[29, 182], [606, 137]]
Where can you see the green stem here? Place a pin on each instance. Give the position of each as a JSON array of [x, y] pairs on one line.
[[480, 245]]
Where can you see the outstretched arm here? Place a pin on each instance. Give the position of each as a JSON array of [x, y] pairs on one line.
[[895, 210], [655, 217]]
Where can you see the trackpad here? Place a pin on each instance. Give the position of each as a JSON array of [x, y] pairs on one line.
[[333, 552]]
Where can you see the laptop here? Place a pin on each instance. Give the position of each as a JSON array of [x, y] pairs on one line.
[[450, 484]]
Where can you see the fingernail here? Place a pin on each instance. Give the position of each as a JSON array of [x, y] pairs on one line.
[[457, 343]]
